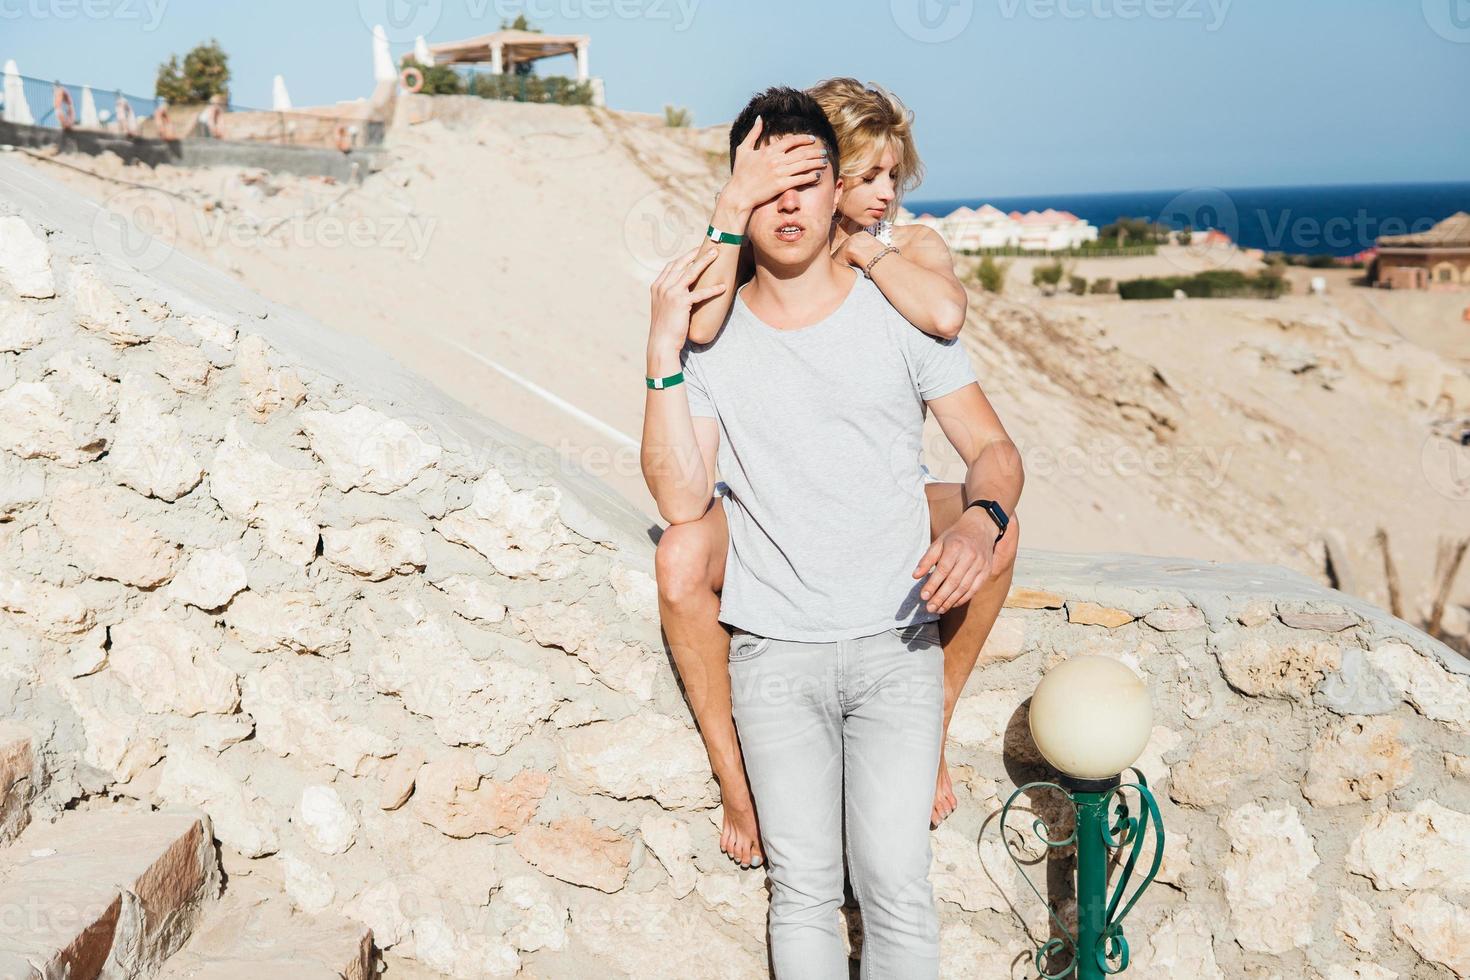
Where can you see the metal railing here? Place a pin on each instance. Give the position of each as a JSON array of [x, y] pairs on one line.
[[129, 115]]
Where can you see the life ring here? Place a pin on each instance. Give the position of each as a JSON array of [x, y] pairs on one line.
[[164, 123], [412, 78], [344, 139], [66, 112]]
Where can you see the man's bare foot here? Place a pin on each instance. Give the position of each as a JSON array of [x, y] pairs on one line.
[[741, 835], [944, 798]]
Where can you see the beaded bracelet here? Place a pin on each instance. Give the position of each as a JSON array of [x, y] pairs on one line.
[[868, 269]]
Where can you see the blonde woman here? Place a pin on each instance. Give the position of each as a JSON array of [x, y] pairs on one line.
[[913, 268]]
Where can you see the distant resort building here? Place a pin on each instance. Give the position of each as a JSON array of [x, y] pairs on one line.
[[988, 227], [1435, 259]]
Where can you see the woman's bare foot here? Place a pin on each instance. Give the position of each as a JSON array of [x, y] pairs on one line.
[[944, 798], [741, 836]]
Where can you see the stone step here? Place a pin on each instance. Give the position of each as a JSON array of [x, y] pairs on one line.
[[253, 933], [103, 892], [20, 778]]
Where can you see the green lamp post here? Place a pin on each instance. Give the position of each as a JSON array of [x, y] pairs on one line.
[[1091, 718]]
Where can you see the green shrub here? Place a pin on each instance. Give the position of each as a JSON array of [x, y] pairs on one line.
[[1048, 276], [991, 275], [204, 74], [532, 88], [1077, 285], [1102, 285], [677, 118], [1215, 283]]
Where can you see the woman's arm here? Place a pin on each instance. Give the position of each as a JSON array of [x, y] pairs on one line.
[[918, 280], [760, 174], [677, 454]]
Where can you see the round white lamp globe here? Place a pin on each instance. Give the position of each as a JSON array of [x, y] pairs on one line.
[[1091, 717]]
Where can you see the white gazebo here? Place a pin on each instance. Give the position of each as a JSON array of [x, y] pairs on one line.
[[503, 50]]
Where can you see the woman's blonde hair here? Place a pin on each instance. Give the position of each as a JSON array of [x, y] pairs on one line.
[[868, 118]]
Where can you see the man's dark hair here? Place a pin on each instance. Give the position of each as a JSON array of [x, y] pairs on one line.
[[785, 111]]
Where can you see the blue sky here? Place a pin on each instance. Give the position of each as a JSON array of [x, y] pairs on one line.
[[1010, 96]]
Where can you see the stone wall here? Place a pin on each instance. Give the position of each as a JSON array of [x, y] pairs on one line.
[[412, 668]]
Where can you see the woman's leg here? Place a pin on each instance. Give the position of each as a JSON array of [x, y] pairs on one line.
[[964, 629], [690, 568]]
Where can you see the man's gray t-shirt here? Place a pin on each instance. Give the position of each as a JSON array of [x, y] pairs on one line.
[[820, 442]]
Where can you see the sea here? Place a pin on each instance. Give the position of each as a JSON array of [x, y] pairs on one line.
[[1336, 219]]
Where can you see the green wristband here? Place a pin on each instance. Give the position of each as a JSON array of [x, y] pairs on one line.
[[723, 237], [667, 382]]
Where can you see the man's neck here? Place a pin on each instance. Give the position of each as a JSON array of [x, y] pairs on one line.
[[789, 298]]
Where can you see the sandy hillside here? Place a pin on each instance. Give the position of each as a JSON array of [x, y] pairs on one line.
[[505, 252]]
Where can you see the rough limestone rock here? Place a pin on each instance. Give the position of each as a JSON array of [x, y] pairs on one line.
[[453, 798], [281, 500], [578, 851], [301, 708], [97, 523], [269, 386], [668, 837], [150, 452], [643, 754], [285, 621], [1268, 878], [493, 703], [1427, 847], [1289, 668], [210, 578], [171, 668], [1180, 946], [1438, 930], [1358, 759], [197, 779], [1434, 691], [367, 449], [518, 531], [20, 328], [25, 261], [39, 420], [473, 598], [100, 309], [376, 549], [1358, 923], [324, 821]]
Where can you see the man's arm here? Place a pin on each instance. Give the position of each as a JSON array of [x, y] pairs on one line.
[[760, 173], [959, 561], [678, 449]]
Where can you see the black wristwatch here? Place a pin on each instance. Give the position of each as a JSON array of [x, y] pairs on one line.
[[996, 512]]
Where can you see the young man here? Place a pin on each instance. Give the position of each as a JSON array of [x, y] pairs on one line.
[[810, 403]]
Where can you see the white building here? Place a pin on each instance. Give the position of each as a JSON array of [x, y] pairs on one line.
[[989, 227]]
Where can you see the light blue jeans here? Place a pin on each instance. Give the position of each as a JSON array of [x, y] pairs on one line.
[[844, 732]]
